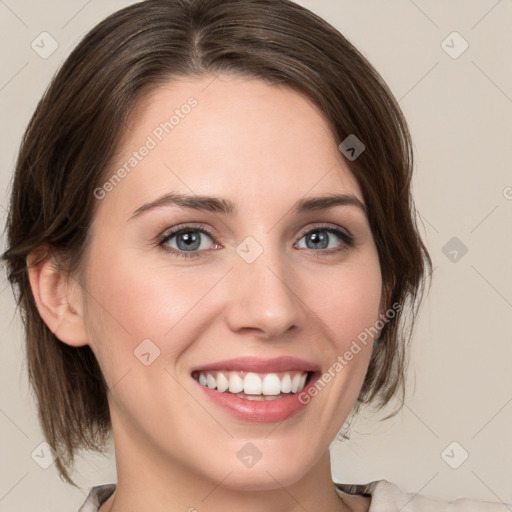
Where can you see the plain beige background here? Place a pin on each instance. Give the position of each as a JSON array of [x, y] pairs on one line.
[[459, 106]]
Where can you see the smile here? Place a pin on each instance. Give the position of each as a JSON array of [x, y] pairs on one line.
[[254, 386], [255, 390]]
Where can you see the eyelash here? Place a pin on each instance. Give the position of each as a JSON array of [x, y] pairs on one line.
[[346, 239]]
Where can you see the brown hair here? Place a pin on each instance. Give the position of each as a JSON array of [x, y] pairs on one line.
[[74, 132]]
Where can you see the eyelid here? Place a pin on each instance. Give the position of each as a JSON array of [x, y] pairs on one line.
[[189, 226], [328, 227]]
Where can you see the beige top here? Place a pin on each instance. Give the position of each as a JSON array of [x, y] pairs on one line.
[[377, 496]]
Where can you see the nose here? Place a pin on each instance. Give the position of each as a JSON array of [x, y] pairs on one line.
[[262, 298]]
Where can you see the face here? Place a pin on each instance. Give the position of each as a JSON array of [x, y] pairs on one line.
[[214, 319]]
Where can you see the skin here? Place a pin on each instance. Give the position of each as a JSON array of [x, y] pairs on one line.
[[262, 147]]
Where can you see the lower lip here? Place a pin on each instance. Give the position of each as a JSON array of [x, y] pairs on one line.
[[259, 411]]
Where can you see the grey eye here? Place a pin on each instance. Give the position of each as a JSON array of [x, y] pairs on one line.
[[320, 239], [189, 240]]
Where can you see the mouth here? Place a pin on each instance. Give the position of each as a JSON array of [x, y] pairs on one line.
[[257, 390], [254, 386]]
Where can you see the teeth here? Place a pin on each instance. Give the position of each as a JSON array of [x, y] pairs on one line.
[[296, 383], [252, 384], [286, 384], [257, 398], [271, 384], [211, 382], [222, 382], [236, 383]]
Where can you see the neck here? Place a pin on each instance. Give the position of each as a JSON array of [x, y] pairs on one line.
[[146, 480]]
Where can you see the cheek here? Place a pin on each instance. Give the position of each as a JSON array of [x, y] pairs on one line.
[[130, 301], [347, 300]]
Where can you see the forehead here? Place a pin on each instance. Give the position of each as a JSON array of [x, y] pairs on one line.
[[228, 136]]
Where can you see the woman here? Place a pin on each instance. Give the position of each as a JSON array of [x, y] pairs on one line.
[[214, 248]]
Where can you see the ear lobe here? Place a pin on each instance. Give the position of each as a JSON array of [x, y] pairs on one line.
[[58, 298]]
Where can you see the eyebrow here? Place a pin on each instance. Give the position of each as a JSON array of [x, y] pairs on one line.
[[225, 206]]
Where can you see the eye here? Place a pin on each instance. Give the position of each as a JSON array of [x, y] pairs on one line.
[[191, 241], [326, 239], [187, 239]]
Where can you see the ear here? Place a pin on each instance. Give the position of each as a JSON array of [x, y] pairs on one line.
[[58, 298]]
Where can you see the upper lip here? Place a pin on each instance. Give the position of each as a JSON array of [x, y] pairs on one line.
[[259, 365]]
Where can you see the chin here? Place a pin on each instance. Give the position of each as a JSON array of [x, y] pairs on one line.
[[263, 466], [264, 477]]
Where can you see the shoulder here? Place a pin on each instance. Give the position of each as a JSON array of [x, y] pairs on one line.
[[384, 496], [97, 495]]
